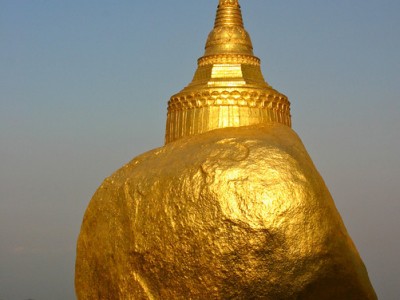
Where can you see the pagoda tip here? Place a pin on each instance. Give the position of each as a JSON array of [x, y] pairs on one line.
[[229, 2]]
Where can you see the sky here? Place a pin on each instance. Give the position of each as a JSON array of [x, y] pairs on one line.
[[84, 87]]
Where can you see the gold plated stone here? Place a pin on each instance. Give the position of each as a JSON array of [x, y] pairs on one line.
[[232, 207]]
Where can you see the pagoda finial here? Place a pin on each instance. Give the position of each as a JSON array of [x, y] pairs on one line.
[[228, 2], [229, 13]]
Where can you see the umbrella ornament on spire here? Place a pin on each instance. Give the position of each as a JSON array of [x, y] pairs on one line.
[[228, 2]]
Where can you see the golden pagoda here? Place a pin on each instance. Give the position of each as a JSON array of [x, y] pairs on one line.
[[231, 207], [228, 88]]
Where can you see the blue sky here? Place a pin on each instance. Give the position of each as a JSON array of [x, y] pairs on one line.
[[84, 89]]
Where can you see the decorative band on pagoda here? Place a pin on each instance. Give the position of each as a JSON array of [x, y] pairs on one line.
[[191, 114], [228, 59]]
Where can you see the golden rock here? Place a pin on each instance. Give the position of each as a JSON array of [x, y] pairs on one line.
[[231, 207]]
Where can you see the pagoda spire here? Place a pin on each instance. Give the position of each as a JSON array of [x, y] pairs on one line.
[[228, 13], [229, 34]]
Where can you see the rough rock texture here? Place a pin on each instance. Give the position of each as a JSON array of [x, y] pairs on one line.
[[236, 213]]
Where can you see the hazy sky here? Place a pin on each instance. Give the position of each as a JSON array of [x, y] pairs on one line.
[[84, 87]]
